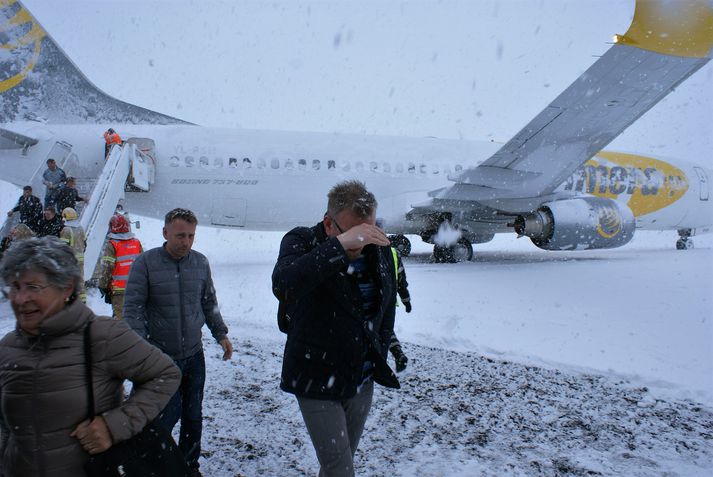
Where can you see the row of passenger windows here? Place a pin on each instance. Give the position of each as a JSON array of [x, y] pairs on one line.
[[315, 165]]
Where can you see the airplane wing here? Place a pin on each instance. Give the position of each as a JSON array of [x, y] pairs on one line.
[[13, 140], [666, 43]]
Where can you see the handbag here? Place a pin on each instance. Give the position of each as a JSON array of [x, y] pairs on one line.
[[150, 453]]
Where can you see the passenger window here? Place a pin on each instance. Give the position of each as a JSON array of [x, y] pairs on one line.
[[247, 163], [346, 167], [399, 168], [458, 168], [275, 163], [203, 162], [434, 169], [387, 167], [232, 162], [373, 166], [190, 161], [331, 164], [422, 168], [359, 166], [316, 164], [411, 168], [261, 164], [302, 164], [289, 164], [174, 161], [218, 162]]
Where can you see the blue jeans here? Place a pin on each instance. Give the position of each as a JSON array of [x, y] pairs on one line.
[[187, 404]]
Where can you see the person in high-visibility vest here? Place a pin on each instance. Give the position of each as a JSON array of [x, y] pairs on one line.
[[111, 137], [120, 251], [73, 235], [397, 352]]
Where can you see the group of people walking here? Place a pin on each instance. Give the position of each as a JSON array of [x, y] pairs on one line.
[[337, 285]]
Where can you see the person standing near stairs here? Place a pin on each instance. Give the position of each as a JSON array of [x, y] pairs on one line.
[[53, 178], [68, 196], [120, 251], [111, 137], [73, 235]]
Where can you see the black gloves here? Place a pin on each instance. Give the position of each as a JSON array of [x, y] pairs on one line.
[[407, 306]]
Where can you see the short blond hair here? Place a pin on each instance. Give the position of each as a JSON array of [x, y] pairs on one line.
[[353, 196]]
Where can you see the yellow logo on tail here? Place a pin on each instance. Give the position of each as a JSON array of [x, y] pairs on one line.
[[25, 46]]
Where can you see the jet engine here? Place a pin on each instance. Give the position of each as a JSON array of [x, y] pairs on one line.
[[578, 224]]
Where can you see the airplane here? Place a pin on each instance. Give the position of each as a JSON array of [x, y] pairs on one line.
[[552, 182]]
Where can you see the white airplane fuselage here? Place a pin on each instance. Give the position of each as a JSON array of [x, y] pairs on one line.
[[275, 180]]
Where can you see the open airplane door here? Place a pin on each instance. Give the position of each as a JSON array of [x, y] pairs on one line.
[[140, 169]]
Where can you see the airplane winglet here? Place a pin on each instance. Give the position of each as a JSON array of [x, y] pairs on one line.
[[672, 27]]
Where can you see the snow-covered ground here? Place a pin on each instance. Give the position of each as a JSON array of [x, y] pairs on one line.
[[523, 362]]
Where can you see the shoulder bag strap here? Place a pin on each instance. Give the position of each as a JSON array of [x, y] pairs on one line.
[[88, 369]]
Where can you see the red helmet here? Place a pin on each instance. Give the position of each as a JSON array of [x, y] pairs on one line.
[[118, 224]]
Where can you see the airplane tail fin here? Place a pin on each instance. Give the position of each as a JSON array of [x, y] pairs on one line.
[[672, 27], [39, 82]]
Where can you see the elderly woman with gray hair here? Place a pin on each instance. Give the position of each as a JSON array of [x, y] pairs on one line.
[[43, 382]]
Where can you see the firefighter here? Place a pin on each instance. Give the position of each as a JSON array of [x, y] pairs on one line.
[[73, 235], [120, 251]]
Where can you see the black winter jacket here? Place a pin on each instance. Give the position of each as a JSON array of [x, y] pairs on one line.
[[67, 197], [327, 335], [30, 209], [50, 227]]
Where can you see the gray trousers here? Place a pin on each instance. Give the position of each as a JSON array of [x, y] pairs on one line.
[[335, 428]]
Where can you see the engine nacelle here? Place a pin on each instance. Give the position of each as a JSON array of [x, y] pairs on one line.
[[578, 224]]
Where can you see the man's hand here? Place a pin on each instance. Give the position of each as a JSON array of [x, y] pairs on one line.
[[357, 237], [407, 305], [94, 436], [227, 348]]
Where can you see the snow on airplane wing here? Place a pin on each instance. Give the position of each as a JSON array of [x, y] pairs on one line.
[[666, 43]]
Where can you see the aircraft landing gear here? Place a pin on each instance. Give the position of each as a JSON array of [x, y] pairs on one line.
[[461, 251], [684, 242], [401, 244]]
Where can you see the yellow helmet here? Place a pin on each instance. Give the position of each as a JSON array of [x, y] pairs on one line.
[[69, 214]]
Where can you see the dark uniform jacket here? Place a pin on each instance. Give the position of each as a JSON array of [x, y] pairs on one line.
[[50, 227], [168, 301], [30, 209], [328, 336], [67, 197]]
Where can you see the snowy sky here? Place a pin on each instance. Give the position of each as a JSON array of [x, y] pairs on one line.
[[472, 69]]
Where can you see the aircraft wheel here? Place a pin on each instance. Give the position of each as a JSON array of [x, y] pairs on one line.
[[442, 254], [401, 244], [684, 244], [462, 251]]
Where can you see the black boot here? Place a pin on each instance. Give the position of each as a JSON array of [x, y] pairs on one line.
[[399, 358]]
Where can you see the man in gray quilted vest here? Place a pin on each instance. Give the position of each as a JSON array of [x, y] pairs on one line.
[[169, 296]]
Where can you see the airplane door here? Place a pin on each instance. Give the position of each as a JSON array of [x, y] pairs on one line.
[[140, 171], [229, 212], [703, 179]]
